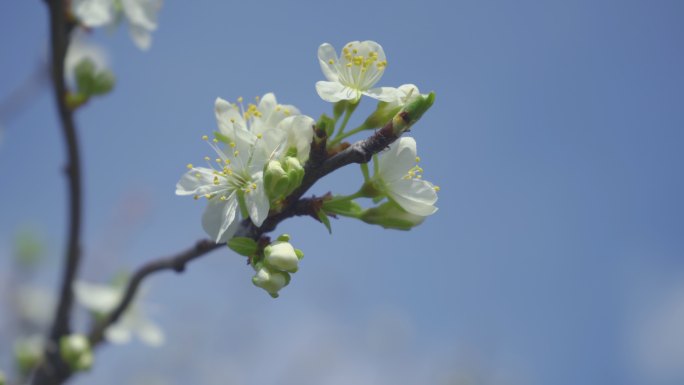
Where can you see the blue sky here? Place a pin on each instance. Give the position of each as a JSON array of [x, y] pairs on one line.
[[556, 138]]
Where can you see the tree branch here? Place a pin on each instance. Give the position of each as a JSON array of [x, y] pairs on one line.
[[175, 262], [53, 370]]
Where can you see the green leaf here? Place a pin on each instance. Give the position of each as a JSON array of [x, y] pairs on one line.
[[323, 217], [243, 246]]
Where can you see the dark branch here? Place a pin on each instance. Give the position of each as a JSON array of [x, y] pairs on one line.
[[53, 370], [176, 263]]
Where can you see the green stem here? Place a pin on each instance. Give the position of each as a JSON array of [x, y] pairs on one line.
[[347, 114], [364, 170], [340, 137]]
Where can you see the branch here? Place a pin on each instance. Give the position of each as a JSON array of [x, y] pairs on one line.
[[53, 370], [175, 262]]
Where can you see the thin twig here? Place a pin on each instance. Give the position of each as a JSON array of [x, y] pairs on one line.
[[176, 263]]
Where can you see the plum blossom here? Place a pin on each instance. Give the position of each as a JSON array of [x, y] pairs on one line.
[[103, 299], [141, 16], [353, 73], [398, 177]]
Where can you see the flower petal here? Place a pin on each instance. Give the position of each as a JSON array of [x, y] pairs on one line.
[[93, 13], [257, 201], [385, 94], [414, 195], [334, 92], [142, 37], [219, 219], [142, 13], [228, 117], [149, 332], [299, 131], [398, 160], [326, 53], [190, 184], [119, 333], [98, 298]]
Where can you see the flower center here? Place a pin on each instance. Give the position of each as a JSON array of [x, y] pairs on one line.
[[359, 67]]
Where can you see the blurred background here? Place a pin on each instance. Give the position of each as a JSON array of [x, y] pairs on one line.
[[556, 256]]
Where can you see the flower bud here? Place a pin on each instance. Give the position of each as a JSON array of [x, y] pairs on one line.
[[391, 216], [28, 352], [411, 113], [75, 351], [281, 256], [295, 173], [270, 280], [276, 180]]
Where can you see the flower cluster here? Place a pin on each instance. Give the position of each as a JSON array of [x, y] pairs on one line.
[[261, 150], [141, 16]]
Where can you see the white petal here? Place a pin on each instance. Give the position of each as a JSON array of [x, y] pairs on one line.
[[93, 13], [299, 131], [326, 53], [257, 201], [79, 49], [220, 218], [415, 196], [98, 298], [149, 333], [118, 333], [385, 94], [142, 13], [190, 184], [398, 160], [228, 117], [334, 92], [141, 36]]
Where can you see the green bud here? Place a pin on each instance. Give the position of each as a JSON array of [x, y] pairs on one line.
[[391, 216], [345, 207], [276, 180], [281, 256], [103, 82], [326, 124], [270, 280], [412, 112], [243, 246], [295, 173], [28, 352], [382, 114], [84, 72], [90, 81], [76, 99], [76, 352], [3, 380]]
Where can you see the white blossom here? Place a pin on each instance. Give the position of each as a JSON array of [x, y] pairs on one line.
[[103, 299], [353, 73], [400, 178], [141, 16]]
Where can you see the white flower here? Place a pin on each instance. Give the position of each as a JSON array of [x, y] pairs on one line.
[[353, 73], [103, 299], [400, 178], [141, 15], [236, 176]]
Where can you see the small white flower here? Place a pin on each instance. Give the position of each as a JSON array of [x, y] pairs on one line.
[[353, 73], [141, 15], [103, 299], [400, 178]]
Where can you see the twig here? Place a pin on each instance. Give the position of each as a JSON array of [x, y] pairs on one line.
[[53, 370], [176, 263]]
